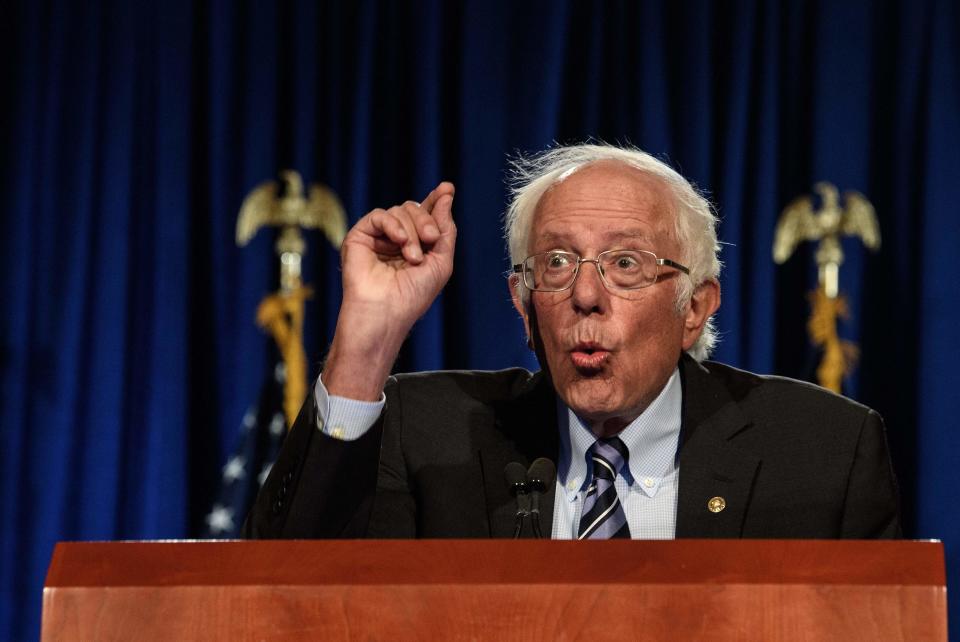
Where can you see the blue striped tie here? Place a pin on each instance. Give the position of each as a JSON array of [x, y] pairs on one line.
[[603, 516]]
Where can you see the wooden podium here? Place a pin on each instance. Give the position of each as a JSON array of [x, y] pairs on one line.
[[497, 589]]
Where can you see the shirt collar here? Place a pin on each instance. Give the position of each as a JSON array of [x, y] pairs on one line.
[[651, 438]]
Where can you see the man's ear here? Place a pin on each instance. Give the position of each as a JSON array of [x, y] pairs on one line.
[[704, 302], [513, 282]]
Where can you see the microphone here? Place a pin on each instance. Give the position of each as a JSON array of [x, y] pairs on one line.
[[516, 478], [541, 474]]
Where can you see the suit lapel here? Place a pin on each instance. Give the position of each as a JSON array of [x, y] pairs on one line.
[[716, 478], [525, 428]]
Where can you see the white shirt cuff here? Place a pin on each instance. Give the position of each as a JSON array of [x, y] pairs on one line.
[[342, 418]]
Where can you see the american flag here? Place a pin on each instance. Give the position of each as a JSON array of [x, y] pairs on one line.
[[258, 442]]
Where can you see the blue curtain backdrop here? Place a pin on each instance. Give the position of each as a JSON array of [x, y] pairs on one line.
[[134, 130]]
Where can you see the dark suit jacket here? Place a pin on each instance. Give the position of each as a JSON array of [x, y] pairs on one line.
[[791, 460]]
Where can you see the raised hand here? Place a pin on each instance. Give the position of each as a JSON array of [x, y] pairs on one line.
[[395, 262]]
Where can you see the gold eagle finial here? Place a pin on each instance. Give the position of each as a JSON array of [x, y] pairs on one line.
[[800, 222], [283, 205]]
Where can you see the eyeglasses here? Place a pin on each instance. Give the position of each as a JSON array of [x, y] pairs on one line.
[[619, 269]]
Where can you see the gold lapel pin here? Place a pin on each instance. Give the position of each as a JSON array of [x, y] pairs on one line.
[[716, 504]]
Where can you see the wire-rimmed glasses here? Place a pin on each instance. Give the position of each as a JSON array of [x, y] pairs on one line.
[[619, 269]]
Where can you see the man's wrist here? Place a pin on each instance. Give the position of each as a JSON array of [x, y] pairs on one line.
[[362, 354], [356, 374]]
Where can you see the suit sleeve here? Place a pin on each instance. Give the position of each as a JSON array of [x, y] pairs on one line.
[[319, 487], [872, 504]]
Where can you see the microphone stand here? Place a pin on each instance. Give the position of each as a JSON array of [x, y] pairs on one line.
[[516, 478], [541, 474]]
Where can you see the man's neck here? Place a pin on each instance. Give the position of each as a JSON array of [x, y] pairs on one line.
[[606, 427], [611, 427]]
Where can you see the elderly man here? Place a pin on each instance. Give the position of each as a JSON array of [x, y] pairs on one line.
[[615, 279]]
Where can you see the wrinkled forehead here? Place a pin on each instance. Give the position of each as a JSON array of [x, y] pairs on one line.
[[608, 202], [566, 233]]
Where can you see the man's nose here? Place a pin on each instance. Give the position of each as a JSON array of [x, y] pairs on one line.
[[589, 292]]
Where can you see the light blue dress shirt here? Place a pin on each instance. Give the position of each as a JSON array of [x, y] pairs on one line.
[[648, 491]]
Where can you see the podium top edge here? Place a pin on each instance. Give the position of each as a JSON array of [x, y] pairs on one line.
[[403, 562]]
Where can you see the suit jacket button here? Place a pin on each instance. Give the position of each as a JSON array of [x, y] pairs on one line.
[[716, 504], [277, 506]]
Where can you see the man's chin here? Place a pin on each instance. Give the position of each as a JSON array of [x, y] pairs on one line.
[[591, 398]]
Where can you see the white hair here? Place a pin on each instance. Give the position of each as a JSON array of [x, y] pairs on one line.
[[694, 218]]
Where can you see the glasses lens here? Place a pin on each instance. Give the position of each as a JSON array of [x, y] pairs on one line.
[[628, 269], [550, 271]]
